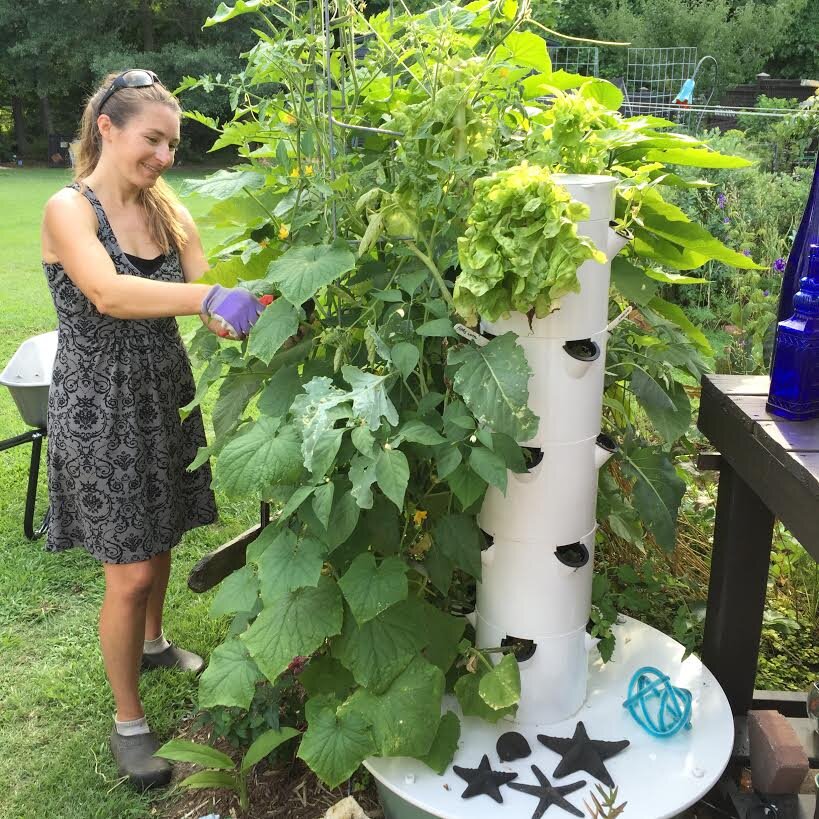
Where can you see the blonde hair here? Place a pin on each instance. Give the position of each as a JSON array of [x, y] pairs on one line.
[[160, 201]]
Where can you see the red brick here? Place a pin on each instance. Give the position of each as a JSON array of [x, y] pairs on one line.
[[779, 763]]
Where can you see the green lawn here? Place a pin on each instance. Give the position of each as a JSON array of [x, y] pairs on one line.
[[55, 706]]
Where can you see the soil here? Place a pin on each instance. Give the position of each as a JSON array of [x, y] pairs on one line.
[[285, 790]]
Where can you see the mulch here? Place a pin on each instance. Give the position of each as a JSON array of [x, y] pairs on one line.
[[286, 790]]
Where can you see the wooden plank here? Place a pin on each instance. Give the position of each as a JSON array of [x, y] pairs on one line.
[[793, 436], [788, 703], [215, 566], [785, 484], [736, 588], [709, 461], [753, 406], [741, 384]]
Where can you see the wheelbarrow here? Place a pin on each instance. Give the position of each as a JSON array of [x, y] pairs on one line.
[[28, 377]]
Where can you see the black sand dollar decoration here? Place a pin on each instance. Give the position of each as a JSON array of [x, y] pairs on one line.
[[483, 780], [512, 746], [549, 794], [583, 754]]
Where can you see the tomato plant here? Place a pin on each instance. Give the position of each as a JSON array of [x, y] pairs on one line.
[[355, 407]]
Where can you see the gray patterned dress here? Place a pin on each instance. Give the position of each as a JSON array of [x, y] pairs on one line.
[[117, 450]]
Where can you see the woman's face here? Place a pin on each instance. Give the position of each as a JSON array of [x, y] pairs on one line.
[[144, 147]]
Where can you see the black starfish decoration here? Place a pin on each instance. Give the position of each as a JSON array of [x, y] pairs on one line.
[[583, 754], [549, 794], [483, 780]]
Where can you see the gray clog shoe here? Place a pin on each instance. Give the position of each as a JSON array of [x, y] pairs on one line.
[[135, 759]]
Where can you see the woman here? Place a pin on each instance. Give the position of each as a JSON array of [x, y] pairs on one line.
[[121, 255]]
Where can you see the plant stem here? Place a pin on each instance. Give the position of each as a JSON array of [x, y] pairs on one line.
[[436, 274]]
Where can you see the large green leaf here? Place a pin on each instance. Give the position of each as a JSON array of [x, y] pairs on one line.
[[406, 716], [317, 410], [459, 539], [657, 491], [675, 314], [276, 324], [472, 704], [222, 184], [500, 687], [632, 281], [392, 474], [265, 744], [295, 624], [230, 678], [278, 395], [417, 432], [697, 157], [326, 675], [336, 743], [288, 563], [183, 750], [343, 517], [324, 452], [237, 592], [668, 408], [527, 49], [694, 238], [369, 397], [377, 651], [445, 632], [405, 356], [264, 455], [370, 589], [445, 743], [362, 477], [494, 383], [235, 392], [302, 271], [224, 12], [604, 92], [489, 465]]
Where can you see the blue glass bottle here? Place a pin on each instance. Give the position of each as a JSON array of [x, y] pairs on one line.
[[794, 392], [797, 265]]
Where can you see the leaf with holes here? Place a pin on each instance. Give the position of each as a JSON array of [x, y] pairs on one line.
[[494, 383]]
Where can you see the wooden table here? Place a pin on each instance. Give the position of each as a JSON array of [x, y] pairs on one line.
[[769, 469]]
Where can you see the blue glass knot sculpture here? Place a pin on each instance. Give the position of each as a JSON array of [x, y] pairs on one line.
[[657, 706]]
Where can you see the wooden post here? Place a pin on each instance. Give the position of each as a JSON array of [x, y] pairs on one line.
[[736, 591]]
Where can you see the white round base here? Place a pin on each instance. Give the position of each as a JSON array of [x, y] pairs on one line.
[[658, 778]]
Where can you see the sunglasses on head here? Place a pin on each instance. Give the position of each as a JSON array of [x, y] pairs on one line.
[[132, 78]]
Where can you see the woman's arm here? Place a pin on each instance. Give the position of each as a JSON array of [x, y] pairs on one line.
[[70, 233], [193, 259]]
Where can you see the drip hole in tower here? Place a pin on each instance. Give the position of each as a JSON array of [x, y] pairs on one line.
[[606, 442], [488, 541], [573, 555], [522, 649], [533, 456], [582, 349]]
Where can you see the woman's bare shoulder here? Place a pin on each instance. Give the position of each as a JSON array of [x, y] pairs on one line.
[[67, 213]]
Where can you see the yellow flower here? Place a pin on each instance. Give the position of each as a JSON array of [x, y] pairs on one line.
[[294, 172], [289, 119], [419, 517], [308, 170], [504, 73], [284, 231]]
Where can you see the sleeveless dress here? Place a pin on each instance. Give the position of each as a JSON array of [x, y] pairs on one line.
[[117, 450]]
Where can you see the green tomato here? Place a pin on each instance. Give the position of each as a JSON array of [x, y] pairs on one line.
[[399, 224]]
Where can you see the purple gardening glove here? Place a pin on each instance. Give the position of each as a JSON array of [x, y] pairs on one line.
[[235, 308]]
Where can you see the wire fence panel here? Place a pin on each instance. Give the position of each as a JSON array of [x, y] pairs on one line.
[[654, 76], [583, 60]]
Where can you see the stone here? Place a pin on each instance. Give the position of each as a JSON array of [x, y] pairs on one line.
[[347, 808], [779, 763], [512, 746]]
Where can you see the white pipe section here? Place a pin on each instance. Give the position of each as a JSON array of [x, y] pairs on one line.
[[553, 501], [526, 589]]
